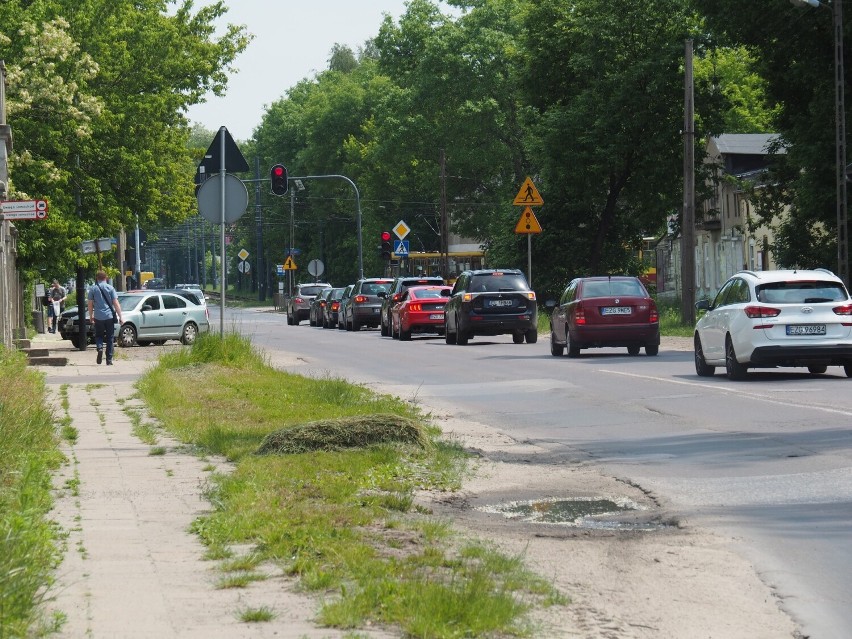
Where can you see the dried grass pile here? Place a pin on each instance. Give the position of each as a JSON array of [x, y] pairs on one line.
[[359, 431]]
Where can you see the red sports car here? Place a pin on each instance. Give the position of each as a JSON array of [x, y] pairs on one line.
[[420, 309]]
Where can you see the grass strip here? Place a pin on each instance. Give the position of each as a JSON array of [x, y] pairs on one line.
[[324, 488], [29, 453]]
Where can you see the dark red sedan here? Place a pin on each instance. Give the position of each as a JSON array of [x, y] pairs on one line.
[[595, 312], [420, 309]]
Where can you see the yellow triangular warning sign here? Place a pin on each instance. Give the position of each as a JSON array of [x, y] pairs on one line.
[[289, 264], [528, 195], [528, 223]]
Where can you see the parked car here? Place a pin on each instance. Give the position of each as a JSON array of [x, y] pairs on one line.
[[299, 304], [419, 309], [397, 287], [344, 299], [331, 308], [364, 305], [317, 306], [767, 319], [491, 302], [607, 311], [156, 316], [69, 326]]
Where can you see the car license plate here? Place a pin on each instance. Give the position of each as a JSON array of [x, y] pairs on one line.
[[497, 303], [376, 310], [436, 316], [616, 310], [806, 329]]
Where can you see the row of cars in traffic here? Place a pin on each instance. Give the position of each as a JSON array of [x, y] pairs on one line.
[[148, 317], [758, 319]]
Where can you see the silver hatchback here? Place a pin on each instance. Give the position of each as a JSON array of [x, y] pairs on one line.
[[154, 317]]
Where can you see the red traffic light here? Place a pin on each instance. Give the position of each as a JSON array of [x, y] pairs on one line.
[[386, 248], [278, 179]]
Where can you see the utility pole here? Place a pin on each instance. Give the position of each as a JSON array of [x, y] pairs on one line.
[[445, 226], [687, 253], [260, 272]]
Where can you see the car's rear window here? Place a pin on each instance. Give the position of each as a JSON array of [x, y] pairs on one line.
[[496, 282], [374, 288], [311, 290], [797, 292], [610, 288], [428, 293]]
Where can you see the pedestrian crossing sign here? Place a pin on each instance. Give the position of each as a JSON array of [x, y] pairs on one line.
[[528, 195], [400, 248]]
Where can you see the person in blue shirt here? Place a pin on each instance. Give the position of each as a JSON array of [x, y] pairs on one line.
[[104, 311]]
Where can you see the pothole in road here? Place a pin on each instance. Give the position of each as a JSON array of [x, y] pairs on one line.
[[600, 513]]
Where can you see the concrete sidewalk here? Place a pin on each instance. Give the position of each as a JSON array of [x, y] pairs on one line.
[[132, 569]]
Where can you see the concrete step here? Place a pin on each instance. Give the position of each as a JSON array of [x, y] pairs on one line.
[[47, 360], [36, 352], [23, 343]]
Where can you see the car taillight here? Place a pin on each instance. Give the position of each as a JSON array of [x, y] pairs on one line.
[[360, 299], [467, 297], [335, 306], [322, 304], [298, 300], [415, 307], [580, 315], [846, 309], [531, 295], [755, 312], [654, 316]]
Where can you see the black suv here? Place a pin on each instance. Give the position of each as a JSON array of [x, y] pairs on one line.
[[399, 286], [491, 302]]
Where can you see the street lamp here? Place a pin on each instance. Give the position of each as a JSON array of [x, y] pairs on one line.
[[840, 131]]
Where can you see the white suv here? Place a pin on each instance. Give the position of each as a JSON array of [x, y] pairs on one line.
[[775, 318]]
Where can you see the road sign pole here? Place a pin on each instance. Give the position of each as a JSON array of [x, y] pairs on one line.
[[222, 172], [529, 258]]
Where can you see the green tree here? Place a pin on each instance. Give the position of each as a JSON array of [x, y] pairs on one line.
[[117, 138], [793, 50]]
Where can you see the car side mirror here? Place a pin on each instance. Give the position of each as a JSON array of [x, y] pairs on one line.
[[550, 304], [447, 292], [702, 305], [147, 307]]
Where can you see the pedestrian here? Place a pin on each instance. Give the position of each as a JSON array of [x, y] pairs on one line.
[[56, 297], [104, 311]]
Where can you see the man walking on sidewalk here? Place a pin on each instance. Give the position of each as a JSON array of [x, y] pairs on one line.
[[104, 311]]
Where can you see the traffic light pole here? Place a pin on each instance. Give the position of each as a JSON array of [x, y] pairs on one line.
[[358, 206]]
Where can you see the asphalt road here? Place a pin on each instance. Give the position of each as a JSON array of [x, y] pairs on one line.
[[767, 461]]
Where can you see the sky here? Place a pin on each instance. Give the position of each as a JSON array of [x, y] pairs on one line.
[[293, 40]]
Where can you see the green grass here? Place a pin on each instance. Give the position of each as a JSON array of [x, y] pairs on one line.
[[339, 514], [254, 615], [29, 542]]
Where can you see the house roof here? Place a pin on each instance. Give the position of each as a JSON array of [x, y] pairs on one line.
[[745, 143]]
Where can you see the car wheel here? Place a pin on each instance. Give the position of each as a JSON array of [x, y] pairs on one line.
[[817, 370], [126, 336], [289, 319], [449, 338], [190, 332], [461, 336], [633, 349], [555, 349], [573, 347], [404, 336], [518, 338], [702, 368], [356, 325], [386, 328], [735, 370], [652, 349], [341, 323]]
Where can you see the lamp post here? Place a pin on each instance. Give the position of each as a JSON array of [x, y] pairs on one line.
[[840, 133]]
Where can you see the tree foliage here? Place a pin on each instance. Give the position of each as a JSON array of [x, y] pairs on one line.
[[97, 93]]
